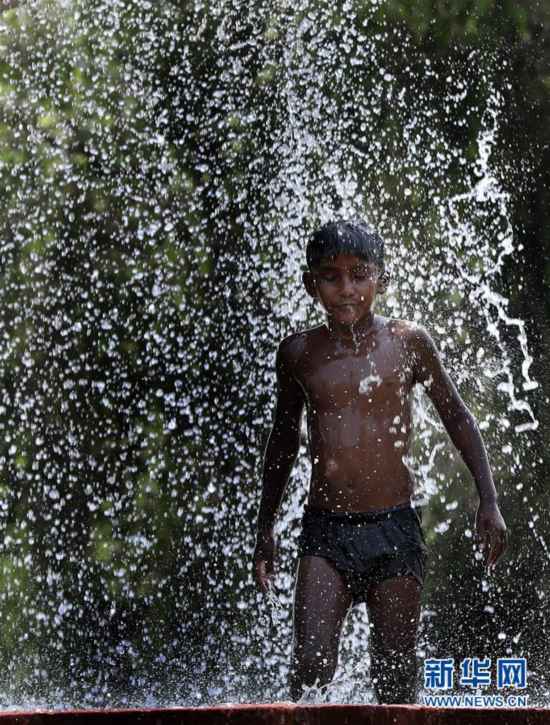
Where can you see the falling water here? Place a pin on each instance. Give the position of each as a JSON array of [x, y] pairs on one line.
[[162, 167]]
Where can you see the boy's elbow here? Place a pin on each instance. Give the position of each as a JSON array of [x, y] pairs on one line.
[[286, 439], [292, 445], [460, 419]]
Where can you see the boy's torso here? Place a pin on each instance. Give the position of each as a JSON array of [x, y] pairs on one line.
[[359, 414]]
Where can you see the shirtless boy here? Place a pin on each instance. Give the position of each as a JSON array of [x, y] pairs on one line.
[[361, 539]]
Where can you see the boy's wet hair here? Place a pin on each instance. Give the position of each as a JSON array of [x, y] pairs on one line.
[[345, 237]]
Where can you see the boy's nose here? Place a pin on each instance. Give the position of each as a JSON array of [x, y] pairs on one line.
[[346, 287]]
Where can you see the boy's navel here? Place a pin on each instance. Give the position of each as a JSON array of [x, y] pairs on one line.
[[331, 466]]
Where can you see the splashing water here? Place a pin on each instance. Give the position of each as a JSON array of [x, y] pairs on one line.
[[162, 169]]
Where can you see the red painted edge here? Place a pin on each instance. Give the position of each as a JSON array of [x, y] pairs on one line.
[[285, 714]]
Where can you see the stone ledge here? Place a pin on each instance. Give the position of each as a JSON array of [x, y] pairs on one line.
[[285, 714]]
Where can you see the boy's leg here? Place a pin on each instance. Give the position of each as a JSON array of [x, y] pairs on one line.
[[321, 602], [394, 608]]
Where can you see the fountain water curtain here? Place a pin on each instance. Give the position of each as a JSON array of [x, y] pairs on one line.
[[162, 165]]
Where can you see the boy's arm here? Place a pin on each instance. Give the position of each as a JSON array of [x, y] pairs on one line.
[[464, 433], [281, 451]]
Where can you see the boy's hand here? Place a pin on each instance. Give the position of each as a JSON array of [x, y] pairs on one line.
[[492, 534], [264, 557]]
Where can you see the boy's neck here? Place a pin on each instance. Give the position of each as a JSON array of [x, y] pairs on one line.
[[361, 329]]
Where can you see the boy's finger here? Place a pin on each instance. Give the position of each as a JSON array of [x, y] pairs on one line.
[[266, 584], [268, 573], [492, 549], [260, 574], [493, 562], [496, 548], [482, 541], [481, 534], [501, 546]]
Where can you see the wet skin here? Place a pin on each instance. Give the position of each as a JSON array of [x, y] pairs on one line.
[[354, 376]]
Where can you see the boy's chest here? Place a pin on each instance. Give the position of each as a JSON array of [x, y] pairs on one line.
[[379, 377]]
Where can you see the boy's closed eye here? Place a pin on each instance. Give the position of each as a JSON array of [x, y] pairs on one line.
[[327, 276], [358, 274]]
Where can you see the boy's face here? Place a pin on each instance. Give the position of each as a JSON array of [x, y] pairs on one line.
[[346, 286]]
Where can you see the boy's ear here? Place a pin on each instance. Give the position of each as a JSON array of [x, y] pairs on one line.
[[383, 282], [309, 283]]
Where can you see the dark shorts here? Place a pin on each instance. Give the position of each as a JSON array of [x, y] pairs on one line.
[[366, 548]]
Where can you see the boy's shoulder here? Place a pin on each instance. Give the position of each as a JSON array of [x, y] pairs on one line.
[[413, 337], [301, 336], [293, 346], [407, 330]]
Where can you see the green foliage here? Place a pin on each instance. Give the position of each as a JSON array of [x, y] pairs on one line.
[[140, 148]]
